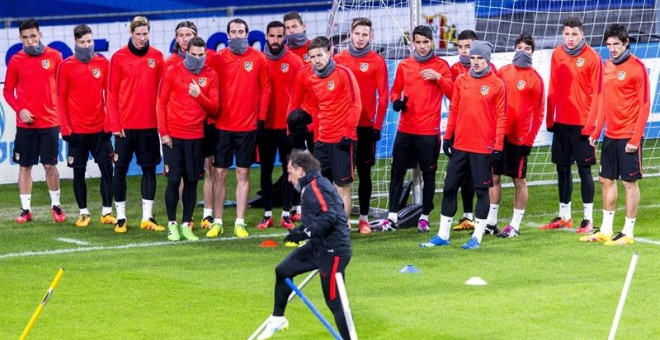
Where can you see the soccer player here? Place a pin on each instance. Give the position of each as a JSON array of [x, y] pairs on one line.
[[575, 84], [244, 92], [420, 83], [296, 35], [135, 71], [329, 246], [370, 72], [283, 67], [464, 42], [625, 106], [338, 96], [524, 115], [473, 149], [188, 94], [82, 83], [30, 90]]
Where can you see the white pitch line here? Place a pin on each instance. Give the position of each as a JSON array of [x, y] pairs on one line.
[[125, 246], [72, 240]]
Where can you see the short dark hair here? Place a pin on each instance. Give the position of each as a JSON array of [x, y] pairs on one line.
[[305, 160], [238, 21], [361, 22], [27, 24], [319, 42], [573, 22], [293, 15], [525, 38], [183, 24], [196, 41], [81, 30], [424, 31], [274, 24], [467, 34], [616, 31]]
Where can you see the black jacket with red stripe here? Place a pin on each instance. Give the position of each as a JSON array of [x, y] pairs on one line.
[[323, 216]]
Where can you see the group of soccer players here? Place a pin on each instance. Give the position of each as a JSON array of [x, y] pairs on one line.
[[212, 110]]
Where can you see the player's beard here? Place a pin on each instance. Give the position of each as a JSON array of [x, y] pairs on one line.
[[275, 48]]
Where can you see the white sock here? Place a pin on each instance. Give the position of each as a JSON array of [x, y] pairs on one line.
[[121, 210], [171, 223], [492, 214], [479, 228], [54, 197], [628, 227], [297, 208], [424, 217], [239, 221], [392, 216], [25, 201], [208, 212], [468, 215], [106, 210], [445, 227], [268, 213], [285, 213], [217, 220], [517, 218], [84, 211], [565, 211], [608, 221], [147, 209], [364, 218], [588, 211]]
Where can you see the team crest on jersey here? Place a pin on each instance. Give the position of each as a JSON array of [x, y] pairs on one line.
[[364, 67], [45, 64], [484, 90], [621, 75], [284, 68], [579, 62], [202, 82], [151, 62], [248, 66], [331, 85], [69, 159], [96, 73], [521, 84]]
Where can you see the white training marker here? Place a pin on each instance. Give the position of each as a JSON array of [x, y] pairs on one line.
[[72, 240], [476, 281]]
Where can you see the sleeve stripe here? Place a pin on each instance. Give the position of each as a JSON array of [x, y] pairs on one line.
[[319, 196]]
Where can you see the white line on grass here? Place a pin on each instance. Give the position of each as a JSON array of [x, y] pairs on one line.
[[72, 240], [125, 246]]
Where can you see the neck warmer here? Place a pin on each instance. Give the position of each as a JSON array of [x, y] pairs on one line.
[[465, 60], [181, 53], [238, 45], [522, 59], [359, 53], [325, 72], [34, 50], [577, 50], [425, 58], [622, 58], [194, 64], [296, 40], [138, 51], [481, 74], [269, 54]]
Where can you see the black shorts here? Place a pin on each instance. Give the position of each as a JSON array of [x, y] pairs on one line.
[[210, 139], [409, 149], [240, 144], [34, 145], [514, 163], [366, 146], [463, 164], [569, 145], [145, 143], [616, 163], [184, 159], [83, 144], [270, 143], [337, 162]]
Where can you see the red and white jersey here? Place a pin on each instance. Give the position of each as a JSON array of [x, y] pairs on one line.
[[458, 68], [283, 74], [304, 98], [301, 52], [525, 103]]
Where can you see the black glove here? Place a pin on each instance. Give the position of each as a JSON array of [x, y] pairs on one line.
[[261, 125], [525, 150], [496, 156], [550, 129], [376, 135], [296, 235], [298, 118], [447, 147], [400, 105], [345, 142]]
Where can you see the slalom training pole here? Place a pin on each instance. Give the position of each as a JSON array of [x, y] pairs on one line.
[[291, 296], [341, 287], [624, 294], [313, 309], [43, 303]]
